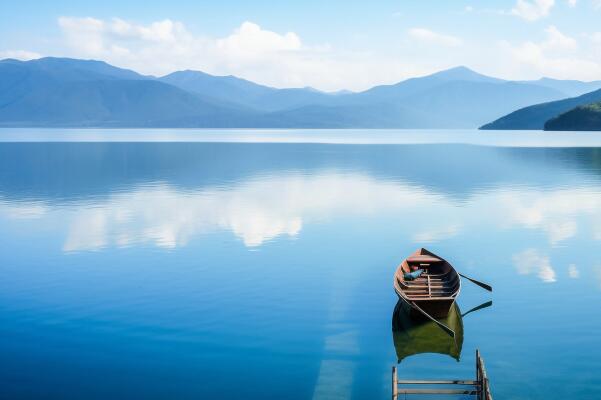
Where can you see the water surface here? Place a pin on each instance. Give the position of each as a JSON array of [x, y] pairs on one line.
[[260, 264]]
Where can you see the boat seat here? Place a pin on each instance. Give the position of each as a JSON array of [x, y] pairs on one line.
[[423, 259]]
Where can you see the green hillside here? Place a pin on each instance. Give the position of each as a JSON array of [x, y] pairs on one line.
[[582, 118], [535, 116]]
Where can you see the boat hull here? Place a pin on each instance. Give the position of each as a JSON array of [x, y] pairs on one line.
[[436, 308]]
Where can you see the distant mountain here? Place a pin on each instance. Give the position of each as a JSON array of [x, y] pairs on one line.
[[571, 88], [70, 69], [581, 118], [422, 84], [462, 98], [227, 88], [370, 115], [70, 92], [534, 117], [67, 92], [456, 98], [249, 94], [470, 103], [463, 73]]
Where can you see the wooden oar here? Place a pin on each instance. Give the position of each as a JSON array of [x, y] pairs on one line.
[[440, 324], [480, 307], [481, 284]]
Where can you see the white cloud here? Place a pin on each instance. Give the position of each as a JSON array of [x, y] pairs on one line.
[[284, 59], [572, 3], [555, 57], [431, 37], [19, 54], [532, 10], [533, 57], [531, 261], [557, 40], [249, 40], [595, 37], [249, 51]]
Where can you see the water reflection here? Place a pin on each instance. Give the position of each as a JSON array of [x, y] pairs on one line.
[[260, 209], [530, 261], [67, 172], [413, 335], [99, 196], [111, 246]]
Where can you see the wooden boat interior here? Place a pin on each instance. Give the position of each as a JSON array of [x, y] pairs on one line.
[[437, 282]]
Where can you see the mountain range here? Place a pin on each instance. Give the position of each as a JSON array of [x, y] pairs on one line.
[[63, 92]]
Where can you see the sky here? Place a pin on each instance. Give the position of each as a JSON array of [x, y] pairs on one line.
[[328, 45]]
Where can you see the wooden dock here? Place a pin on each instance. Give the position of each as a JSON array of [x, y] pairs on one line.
[[479, 387]]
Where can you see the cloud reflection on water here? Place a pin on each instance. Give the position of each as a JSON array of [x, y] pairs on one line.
[[573, 271], [255, 211], [530, 261], [261, 209]]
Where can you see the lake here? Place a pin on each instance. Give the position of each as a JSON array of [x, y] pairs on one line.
[[221, 264]]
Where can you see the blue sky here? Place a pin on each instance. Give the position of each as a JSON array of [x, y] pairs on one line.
[[329, 45]]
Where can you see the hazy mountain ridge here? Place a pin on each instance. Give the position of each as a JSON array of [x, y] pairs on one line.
[[71, 92], [571, 88], [64, 92]]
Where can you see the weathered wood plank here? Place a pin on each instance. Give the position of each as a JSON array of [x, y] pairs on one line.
[[434, 382], [438, 391]]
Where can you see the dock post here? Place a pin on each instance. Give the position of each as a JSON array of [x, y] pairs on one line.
[[395, 386], [482, 378], [479, 374]]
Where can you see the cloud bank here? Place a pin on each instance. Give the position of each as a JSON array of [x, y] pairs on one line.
[[249, 51], [286, 59], [19, 54], [532, 10], [558, 55]]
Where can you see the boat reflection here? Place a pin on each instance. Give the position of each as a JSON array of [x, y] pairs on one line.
[[416, 335]]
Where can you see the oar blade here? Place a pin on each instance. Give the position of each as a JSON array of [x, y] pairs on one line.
[[481, 284]]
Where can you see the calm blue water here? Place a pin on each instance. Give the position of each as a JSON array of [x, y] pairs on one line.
[[198, 270]]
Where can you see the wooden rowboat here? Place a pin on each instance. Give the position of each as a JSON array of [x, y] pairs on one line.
[[434, 292]]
